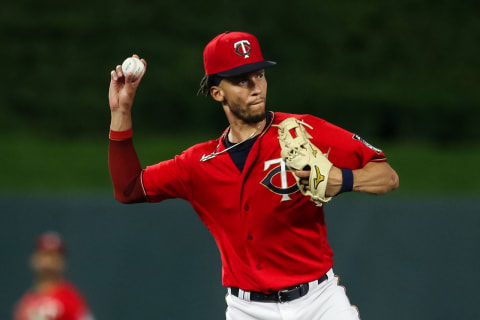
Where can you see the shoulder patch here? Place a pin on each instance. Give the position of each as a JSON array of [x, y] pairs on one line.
[[368, 145]]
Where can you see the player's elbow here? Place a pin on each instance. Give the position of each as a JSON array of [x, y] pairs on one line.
[[389, 182], [392, 181], [129, 196], [395, 180], [122, 198]]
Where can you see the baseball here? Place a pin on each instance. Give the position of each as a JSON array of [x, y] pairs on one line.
[[132, 65]]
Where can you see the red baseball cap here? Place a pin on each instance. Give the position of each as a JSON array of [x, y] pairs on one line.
[[50, 241], [233, 53]]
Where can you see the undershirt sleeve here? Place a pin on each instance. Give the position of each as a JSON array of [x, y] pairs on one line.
[[125, 171]]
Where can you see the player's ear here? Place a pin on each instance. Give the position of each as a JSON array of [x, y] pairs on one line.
[[217, 93]]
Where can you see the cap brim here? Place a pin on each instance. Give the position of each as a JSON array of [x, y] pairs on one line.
[[246, 68]]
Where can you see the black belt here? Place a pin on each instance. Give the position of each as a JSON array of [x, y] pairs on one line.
[[288, 294]]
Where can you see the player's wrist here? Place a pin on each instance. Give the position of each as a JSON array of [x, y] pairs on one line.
[[334, 182], [347, 181], [121, 113], [121, 121]]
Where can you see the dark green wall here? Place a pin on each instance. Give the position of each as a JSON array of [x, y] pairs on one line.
[[390, 69], [399, 258]]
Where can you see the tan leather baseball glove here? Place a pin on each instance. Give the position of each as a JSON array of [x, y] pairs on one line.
[[299, 153]]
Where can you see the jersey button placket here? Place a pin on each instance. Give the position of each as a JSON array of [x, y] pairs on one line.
[[250, 261]]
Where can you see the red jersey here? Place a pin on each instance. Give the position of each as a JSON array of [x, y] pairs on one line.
[[269, 235], [63, 302]]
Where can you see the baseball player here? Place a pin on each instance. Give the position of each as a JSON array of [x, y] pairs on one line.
[[265, 212], [52, 297]]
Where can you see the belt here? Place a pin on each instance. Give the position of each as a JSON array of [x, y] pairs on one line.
[[288, 294]]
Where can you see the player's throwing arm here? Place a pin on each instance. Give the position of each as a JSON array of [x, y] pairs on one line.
[[123, 162]]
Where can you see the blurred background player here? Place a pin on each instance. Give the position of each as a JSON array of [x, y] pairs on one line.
[[51, 297]]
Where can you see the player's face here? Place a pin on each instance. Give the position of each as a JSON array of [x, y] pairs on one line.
[[246, 95], [48, 263]]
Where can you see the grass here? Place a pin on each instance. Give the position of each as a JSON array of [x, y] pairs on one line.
[[436, 170], [54, 165], [59, 165]]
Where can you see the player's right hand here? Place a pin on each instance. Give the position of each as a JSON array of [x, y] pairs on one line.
[[334, 183], [122, 89]]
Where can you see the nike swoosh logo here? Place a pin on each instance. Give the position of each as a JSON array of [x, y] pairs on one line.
[[319, 178]]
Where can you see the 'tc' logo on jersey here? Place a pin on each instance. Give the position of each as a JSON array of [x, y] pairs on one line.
[[284, 189], [242, 48]]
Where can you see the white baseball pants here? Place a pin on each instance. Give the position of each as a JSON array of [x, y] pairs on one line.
[[324, 301]]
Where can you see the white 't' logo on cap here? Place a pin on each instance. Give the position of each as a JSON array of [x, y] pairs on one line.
[[244, 45]]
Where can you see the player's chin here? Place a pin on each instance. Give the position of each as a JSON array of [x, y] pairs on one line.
[[255, 116]]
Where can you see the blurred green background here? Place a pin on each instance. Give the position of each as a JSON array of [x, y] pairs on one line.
[[404, 75]]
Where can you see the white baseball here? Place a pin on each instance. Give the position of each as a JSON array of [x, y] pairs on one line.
[[132, 65]]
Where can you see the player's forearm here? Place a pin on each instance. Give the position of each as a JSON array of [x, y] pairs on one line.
[[121, 120], [125, 171], [375, 178]]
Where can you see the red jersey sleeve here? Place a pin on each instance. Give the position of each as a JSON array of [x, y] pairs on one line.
[[344, 148], [167, 179]]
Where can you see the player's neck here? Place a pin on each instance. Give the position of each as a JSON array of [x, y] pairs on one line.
[[46, 284], [240, 131]]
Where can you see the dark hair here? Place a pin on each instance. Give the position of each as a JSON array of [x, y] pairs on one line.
[[207, 82]]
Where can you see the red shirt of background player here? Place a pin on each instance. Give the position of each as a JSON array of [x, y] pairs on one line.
[[62, 302], [51, 297]]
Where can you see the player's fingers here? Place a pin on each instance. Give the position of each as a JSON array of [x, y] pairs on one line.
[[138, 57], [113, 75], [304, 181], [119, 72], [129, 78], [302, 173]]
